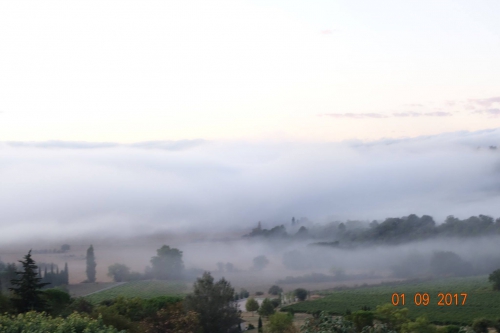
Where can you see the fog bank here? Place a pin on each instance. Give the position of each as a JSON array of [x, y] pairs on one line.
[[58, 190]]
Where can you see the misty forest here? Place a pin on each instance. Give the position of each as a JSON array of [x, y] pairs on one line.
[[272, 278]]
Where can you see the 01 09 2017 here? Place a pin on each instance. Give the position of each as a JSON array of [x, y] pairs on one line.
[[442, 299]]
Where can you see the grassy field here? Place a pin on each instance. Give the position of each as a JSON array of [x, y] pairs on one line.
[[143, 289], [83, 289], [481, 300]]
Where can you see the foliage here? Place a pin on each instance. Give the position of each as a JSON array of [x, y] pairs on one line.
[[481, 325], [27, 288], [448, 329], [128, 313], [33, 322], [214, 302], [259, 325], [495, 279], [379, 328], [57, 300], [244, 293], [119, 272], [167, 264], [281, 323], [481, 301], [8, 272], [81, 305], [111, 317], [326, 323], [420, 325], [91, 264], [172, 318], [260, 262], [6, 305], [251, 305], [266, 308], [54, 278], [275, 290], [361, 319], [392, 316], [300, 293], [276, 302]]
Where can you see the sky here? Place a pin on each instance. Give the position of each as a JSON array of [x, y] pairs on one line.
[[315, 71], [127, 116]]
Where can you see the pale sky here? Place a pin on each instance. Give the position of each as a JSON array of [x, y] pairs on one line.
[[132, 71]]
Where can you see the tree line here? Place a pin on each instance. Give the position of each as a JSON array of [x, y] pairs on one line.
[[393, 230]]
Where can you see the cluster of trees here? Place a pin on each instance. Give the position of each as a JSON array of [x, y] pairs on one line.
[[210, 308], [226, 267], [392, 230], [166, 265], [53, 277], [48, 273]]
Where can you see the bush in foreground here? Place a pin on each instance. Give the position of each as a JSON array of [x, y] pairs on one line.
[[34, 322]]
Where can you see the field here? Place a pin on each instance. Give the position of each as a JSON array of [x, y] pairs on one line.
[[143, 289], [84, 289], [481, 302]]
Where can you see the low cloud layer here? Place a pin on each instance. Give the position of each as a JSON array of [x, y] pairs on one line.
[[58, 189], [381, 115]]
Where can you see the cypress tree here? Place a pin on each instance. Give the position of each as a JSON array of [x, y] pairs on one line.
[[66, 274], [259, 326], [91, 264], [27, 288]]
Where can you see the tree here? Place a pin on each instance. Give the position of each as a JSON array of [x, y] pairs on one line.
[[91, 264], [173, 318], [65, 247], [167, 264], [422, 325], [281, 323], [260, 262], [301, 294], [449, 263], [57, 301], [495, 279], [66, 274], [361, 319], [244, 293], [390, 315], [214, 303], [275, 290], [259, 326], [27, 288], [230, 267], [266, 308], [481, 325], [119, 272], [251, 305]]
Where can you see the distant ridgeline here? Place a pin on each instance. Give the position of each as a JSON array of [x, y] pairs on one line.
[[393, 230]]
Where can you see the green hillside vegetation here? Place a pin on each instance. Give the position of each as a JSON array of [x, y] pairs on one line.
[[481, 302], [143, 289]]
